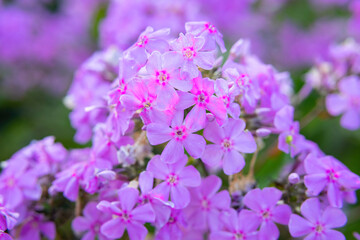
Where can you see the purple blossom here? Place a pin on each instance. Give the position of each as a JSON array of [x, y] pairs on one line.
[[330, 174], [289, 138], [318, 223], [209, 32], [229, 141], [173, 229], [347, 102], [263, 204], [35, 227], [206, 204], [176, 179], [8, 218], [180, 135], [90, 222], [126, 216], [190, 48], [18, 184], [202, 96], [223, 92], [242, 225], [149, 41]]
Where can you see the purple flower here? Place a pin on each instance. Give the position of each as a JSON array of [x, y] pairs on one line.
[[229, 141], [190, 48], [243, 85], [346, 102], [202, 95], [17, 183], [90, 222], [318, 224], [8, 218], [242, 225], [263, 203], [223, 92], [161, 208], [36, 226], [149, 41], [208, 31], [176, 178], [173, 229], [327, 172], [5, 236], [204, 209], [180, 135], [125, 216], [289, 138]]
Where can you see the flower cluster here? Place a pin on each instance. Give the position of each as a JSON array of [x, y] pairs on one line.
[[167, 118]]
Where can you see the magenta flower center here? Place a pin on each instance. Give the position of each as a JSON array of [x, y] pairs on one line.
[[147, 103], [172, 220], [202, 98], [226, 100], [125, 216], [319, 228], [162, 77], [226, 144], [172, 179], [205, 204], [266, 214], [243, 80], [143, 40], [332, 175], [189, 52], [211, 28], [179, 133], [122, 87], [239, 236]]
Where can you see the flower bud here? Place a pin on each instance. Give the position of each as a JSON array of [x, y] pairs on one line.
[[294, 178]]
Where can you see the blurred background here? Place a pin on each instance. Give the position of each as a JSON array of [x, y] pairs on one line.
[[43, 42]]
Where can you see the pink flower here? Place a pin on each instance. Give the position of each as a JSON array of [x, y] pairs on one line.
[[190, 48], [263, 203], [318, 224], [229, 141], [180, 135], [327, 172], [176, 178], [202, 95], [209, 32], [206, 204], [126, 216]]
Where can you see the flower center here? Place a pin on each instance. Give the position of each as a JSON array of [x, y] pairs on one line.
[[332, 175], [211, 28], [226, 100], [143, 40], [243, 80], [172, 179], [239, 236], [10, 182], [172, 220], [180, 133], [319, 228], [125, 216], [162, 77], [189, 53], [266, 215], [205, 204], [226, 144]]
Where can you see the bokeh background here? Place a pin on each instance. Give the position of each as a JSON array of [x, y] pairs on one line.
[[43, 42]]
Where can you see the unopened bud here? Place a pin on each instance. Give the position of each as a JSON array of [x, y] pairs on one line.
[[294, 178], [263, 132]]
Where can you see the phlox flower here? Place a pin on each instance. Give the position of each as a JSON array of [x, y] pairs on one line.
[[242, 225], [176, 179], [209, 32], [35, 227], [8, 218], [173, 229], [263, 204], [229, 140], [180, 134], [126, 216], [206, 204], [190, 48], [347, 102], [223, 92], [202, 96], [317, 223], [330, 174], [90, 222]]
